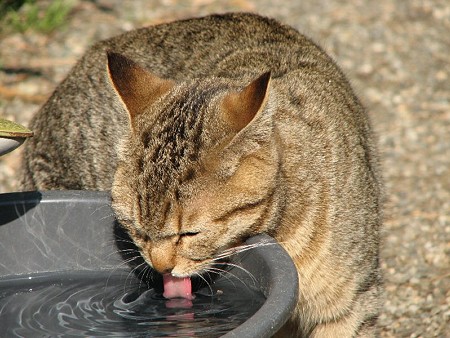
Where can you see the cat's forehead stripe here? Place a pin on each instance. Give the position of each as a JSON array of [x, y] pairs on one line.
[[173, 145]]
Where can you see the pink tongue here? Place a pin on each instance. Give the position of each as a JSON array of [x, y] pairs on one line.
[[177, 287]]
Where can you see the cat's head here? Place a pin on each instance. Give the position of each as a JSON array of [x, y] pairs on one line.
[[197, 173]]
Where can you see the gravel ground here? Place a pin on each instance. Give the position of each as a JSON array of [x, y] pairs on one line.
[[397, 55]]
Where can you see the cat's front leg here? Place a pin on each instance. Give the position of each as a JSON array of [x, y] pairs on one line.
[[347, 326]]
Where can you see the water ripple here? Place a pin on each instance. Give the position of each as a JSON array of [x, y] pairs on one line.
[[104, 305]]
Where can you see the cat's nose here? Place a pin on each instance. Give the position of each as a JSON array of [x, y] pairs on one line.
[[163, 257], [161, 264]]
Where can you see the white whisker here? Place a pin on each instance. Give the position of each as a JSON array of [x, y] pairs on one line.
[[133, 272], [223, 273], [237, 266], [207, 283], [239, 249]]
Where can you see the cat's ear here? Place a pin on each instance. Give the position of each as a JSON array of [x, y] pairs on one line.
[[137, 87], [241, 107]]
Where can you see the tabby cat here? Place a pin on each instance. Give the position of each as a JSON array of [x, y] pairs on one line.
[[214, 129]]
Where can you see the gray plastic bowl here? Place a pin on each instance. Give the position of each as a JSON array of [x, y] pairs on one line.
[[60, 231]]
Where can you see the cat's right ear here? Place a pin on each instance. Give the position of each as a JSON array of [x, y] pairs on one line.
[[241, 107], [137, 87]]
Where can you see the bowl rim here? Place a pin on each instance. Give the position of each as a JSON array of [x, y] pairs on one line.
[[268, 263]]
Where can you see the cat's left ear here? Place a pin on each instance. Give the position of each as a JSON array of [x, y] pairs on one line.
[[241, 107], [137, 87]]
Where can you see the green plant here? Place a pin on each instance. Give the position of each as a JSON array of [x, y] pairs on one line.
[[42, 16], [9, 5]]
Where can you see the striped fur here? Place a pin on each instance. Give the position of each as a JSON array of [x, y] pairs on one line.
[[193, 174]]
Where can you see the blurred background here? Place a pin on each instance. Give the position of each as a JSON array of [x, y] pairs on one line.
[[395, 52]]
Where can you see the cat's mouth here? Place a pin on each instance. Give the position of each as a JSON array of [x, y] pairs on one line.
[[185, 287], [175, 287]]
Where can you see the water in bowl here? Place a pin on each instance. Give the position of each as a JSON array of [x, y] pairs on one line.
[[106, 304]]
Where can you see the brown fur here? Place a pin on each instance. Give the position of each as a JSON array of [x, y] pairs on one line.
[[205, 148]]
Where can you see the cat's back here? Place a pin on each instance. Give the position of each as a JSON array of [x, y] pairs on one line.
[[226, 45]]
